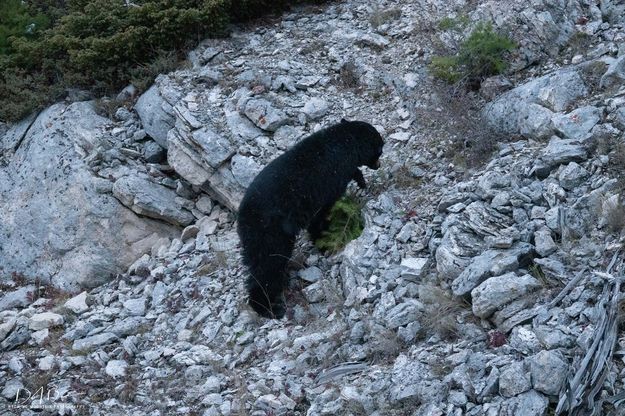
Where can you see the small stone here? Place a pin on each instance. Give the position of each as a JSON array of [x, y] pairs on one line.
[[116, 368], [403, 314], [502, 199], [155, 114], [514, 380], [537, 212], [88, 343], [268, 403], [40, 336], [17, 298], [524, 340], [560, 151], [530, 403], [16, 365], [184, 191], [153, 152], [6, 327], [406, 232], [577, 124], [17, 337], [207, 226], [141, 267], [414, 268], [204, 204], [123, 114], [139, 135], [45, 320], [244, 169], [500, 241], [490, 263], [135, 307], [315, 108], [615, 74], [544, 243], [572, 176], [189, 232], [78, 304], [46, 363], [551, 337], [401, 136], [184, 335], [159, 293], [196, 355], [314, 293], [552, 219], [548, 371], [311, 274], [457, 398], [12, 388], [153, 200], [262, 113]]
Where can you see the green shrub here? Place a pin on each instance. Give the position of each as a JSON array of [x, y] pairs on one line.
[[22, 92], [454, 23], [48, 46], [446, 68], [481, 55], [99, 45], [345, 224], [16, 21]]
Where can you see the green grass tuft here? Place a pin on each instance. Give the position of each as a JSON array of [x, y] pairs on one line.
[[454, 23], [481, 55], [346, 224]]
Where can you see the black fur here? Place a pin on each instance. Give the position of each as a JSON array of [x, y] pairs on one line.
[[296, 191]]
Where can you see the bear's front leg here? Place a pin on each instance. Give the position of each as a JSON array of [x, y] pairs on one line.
[[360, 180], [319, 223]]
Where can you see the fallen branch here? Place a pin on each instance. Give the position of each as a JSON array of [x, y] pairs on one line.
[[580, 394]]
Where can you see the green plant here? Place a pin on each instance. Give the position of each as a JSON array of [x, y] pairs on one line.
[[142, 75], [345, 224], [481, 55], [50, 46], [454, 23], [16, 20], [537, 272], [446, 68]]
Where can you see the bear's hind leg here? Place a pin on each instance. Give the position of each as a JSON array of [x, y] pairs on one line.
[[268, 277]]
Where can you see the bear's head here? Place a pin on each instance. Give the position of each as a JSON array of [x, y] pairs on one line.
[[370, 143]]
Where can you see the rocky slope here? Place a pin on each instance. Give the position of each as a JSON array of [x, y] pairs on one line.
[[475, 289]]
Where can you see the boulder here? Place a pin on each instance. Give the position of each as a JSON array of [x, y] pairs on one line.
[[498, 291], [57, 223], [464, 237], [528, 109], [156, 114], [577, 124], [151, 199]]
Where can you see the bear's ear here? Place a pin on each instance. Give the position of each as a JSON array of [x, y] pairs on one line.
[[343, 120]]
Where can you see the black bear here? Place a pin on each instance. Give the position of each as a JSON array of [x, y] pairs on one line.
[[297, 191]]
